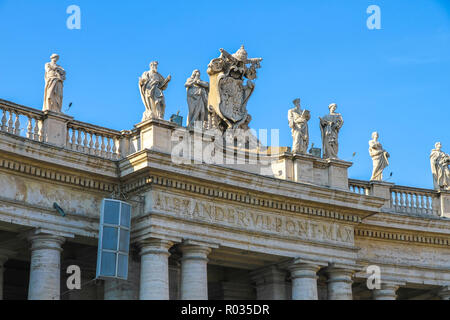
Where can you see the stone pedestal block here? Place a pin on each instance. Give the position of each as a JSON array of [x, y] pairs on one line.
[[156, 135], [55, 128]]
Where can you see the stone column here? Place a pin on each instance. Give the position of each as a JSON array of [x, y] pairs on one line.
[[270, 284], [155, 269], [45, 267], [304, 281], [386, 292], [194, 275], [3, 260], [444, 294], [339, 283]]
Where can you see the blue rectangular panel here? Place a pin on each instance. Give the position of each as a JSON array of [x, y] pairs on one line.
[[108, 264], [125, 219], [110, 237], [122, 271], [124, 243], [111, 211]]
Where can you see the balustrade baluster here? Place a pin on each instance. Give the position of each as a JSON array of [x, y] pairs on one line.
[[91, 143], [85, 142], [108, 148], [103, 147], [97, 144], [36, 130], [10, 122], [79, 148], [74, 137], [422, 204], [17, 124], [4, 128], [30, 127]]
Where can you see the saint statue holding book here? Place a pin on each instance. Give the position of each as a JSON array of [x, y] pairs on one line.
[[298, 121], [152, 86]]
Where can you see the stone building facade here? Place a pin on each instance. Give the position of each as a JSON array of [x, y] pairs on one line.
[[206, 231]]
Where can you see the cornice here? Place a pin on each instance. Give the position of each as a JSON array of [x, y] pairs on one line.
[[21, 147], [59, 175], [401, 236]]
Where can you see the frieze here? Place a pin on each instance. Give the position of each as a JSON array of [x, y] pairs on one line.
[[252, 220]]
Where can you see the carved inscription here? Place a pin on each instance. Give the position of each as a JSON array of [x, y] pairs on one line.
[[208, 211]]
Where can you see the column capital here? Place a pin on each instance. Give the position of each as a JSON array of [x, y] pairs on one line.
[[46, 241], [444, 293], [387, 291], [194, 252], [340, 272], [155, 246], [300, 269]]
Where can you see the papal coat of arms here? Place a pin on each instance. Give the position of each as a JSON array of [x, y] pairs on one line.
[[228, 96]]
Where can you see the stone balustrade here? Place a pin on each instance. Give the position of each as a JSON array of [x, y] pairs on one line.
[[94, 140], [21, 121], [414, 200], [401, 199], [359, 186]]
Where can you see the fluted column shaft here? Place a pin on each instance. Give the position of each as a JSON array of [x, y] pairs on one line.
[[194, 274], [304, 281], [155, 270], [45, 267]]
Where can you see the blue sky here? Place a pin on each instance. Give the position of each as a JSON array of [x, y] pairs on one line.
[[394, 80]]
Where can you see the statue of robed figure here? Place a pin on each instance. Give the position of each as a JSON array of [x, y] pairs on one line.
[[298, 121], [197, 98], [379, 157], [440, 162], [151, 87], [55, 76], [329, 127]]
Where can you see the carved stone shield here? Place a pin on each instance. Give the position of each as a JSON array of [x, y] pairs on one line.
[[232, 99]]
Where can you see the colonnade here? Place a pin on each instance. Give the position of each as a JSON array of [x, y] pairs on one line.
[[271, 284]]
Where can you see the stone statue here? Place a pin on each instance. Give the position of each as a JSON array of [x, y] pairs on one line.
[[228, 96], [379, 156], [298, 121], [151, 86], [54, 83], [439, 168], [330, 126], [197, 98]]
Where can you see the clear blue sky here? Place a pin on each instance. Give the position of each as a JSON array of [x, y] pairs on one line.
[[394, 80]]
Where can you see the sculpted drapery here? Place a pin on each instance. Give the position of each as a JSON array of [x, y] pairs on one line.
[[54, 83], [298, 121], [379, 156], [440, 161], [151, 87], [197, 98], [329, 127]]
